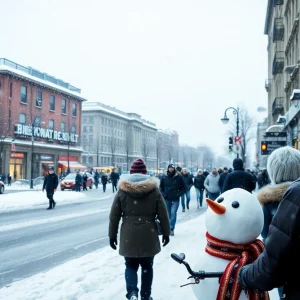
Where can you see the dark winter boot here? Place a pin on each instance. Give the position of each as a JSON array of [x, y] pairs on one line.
[[54, 203], [50, 207], [133, 296]]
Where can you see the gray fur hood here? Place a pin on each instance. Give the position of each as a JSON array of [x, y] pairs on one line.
[[272, 193], [138, 184]]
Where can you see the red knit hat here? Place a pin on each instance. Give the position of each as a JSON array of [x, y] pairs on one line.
[[138, 166]]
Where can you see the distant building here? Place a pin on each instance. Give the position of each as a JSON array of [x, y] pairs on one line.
[[111, 137], [41, 113]]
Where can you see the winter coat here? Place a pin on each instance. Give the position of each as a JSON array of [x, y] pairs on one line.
[[188, 181], [172, 186], [114, 177], [78, 179], [50, 182], [84, 178], [96, 177], [270, 197], [199, 182], [239, 179], [138, 201], [222, 180], [280, 257], [211, 183], [263, 179], [104, 179]]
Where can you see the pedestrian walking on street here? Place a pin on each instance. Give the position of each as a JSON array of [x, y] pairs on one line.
[[114, 177], [188, 181], [138, 202], [199, 187], [84, 180], [8, 179], [222, 178], [50, 184], [239, 178], [78, 181], [281, 206], [96, 179], [172, 188], [104, 180], [211, 184]]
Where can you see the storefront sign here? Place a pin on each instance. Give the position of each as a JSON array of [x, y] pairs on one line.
[[65, 158], [26, 130], [17, 155], [47, 157]]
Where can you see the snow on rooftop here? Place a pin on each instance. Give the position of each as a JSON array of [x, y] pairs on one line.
[[49, 84], [92, 106]]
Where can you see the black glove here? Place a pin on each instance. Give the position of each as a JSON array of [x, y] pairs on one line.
[[165, 240], [113, 243]]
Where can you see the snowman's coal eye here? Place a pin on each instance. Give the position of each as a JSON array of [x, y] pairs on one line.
[[220, 200], [235, 204]]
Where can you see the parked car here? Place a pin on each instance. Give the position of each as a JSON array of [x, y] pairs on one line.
[[1, 187], [68, 183]]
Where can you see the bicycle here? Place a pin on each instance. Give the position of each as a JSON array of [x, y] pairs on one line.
[[197, 276]]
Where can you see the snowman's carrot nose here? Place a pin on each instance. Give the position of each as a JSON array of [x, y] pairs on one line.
[[216, 207]]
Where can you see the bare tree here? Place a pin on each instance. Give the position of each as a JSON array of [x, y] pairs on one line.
[[147, 148], [113, 147], [4, 132], [98, 148], [128, 146], [159, 151], [246, 131], [184, 155], [193, 157]]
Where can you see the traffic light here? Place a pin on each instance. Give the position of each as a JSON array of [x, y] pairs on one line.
[[264, 148], [230, 143]]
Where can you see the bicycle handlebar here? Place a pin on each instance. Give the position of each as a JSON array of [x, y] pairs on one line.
[[200, 274]]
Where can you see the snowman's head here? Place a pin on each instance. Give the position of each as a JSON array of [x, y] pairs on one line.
[[235, 216]]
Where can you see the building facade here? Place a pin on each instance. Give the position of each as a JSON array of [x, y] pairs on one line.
[[40, 122], [282, 28], [261, 160], [111, 137]]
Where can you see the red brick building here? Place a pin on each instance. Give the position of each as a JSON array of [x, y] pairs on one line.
[[40, 121]]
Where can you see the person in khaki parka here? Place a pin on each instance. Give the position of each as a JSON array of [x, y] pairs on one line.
[[138, 202]]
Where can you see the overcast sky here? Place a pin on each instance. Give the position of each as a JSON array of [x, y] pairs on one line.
[[177, 63]]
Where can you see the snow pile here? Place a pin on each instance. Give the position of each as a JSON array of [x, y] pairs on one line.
[[35, 198], [100, 275]]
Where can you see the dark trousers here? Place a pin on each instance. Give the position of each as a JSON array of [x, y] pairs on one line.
[[77, 187], [50, 194], [132, 266], [104, 187], [114, 186], [213, 196], [84, 186]]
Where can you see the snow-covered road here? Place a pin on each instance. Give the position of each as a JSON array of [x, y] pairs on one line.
[[35, 240]]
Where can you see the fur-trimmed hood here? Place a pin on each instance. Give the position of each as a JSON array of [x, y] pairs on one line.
[[138, 184], [272, 193]]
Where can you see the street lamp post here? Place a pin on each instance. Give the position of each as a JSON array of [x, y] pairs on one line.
[[225, 120]]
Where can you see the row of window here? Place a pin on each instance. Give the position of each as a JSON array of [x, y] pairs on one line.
[[105, 122], [39, 101], [37, 123], [103, 160]]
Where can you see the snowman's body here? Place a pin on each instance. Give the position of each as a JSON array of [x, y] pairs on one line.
[[238, 225]]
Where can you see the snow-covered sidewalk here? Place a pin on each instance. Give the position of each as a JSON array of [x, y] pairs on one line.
[[100, 275], [31, 199]]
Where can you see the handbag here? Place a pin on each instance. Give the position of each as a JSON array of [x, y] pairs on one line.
[[158, 226]]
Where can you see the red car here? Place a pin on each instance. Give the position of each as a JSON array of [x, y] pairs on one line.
[[1, 187], [68, 183]]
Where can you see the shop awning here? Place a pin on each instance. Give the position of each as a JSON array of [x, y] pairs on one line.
[[73, 165]]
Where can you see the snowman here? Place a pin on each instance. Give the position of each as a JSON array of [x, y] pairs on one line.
[[233, 222]]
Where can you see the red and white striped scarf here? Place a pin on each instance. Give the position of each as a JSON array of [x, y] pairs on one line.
[[239, 256]]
